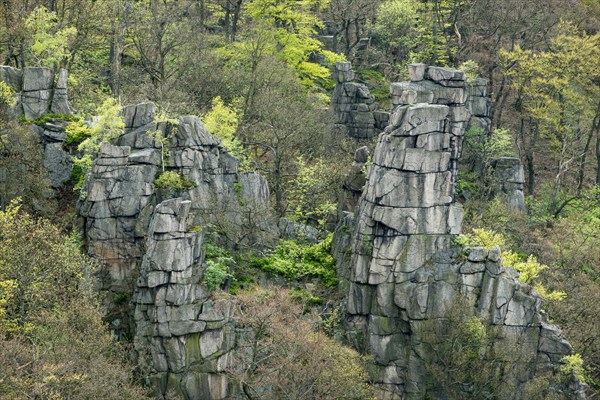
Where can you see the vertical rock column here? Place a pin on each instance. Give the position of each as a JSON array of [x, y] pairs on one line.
[[509, 179], [182, 339], [479, 105], [116, 190], [356, 112], [402, 280], [405, 223]]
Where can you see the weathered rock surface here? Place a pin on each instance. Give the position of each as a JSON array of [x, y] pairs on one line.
[[509, 179], [183, 339], [396, 254], [149, 241], [36, 94], [121, 195], [36, 91], [354, 181], [355, 110]]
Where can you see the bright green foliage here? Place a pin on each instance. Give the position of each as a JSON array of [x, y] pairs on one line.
[[481, 237], [558, 92], [77, 132], [217, 272], [218, 262], [222, 121], [475, 336], [471, 70], [528, 268], [557, 85], [50, 44], [396, 26], [80, 166], [53, 117], [172, 180], [434, 20], [308, 197], [286, 29], [573, 364], [296, 261], [39, 268], [6, 95], [7, 292], [109, 126]]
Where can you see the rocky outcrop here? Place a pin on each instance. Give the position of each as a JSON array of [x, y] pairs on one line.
[[119, 195], [479, 105], [354, 181], [355, 109], [509, 180], [183, 339], [39, 92], [149, 241], [404, 276]]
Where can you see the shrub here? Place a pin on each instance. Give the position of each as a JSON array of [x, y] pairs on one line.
[[77, 132], [282, 357], [572, 364], [295, 261], [172, 180], [218, 262], [217, 272]]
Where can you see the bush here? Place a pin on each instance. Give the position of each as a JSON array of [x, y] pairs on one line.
[[173, 180], [53, 344], [77, 132], [282, 357], [295, 261]]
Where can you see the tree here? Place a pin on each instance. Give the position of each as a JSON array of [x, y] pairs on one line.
[[558, 93], [352, 19], [396, 28], [50, 44], [44, 267], [282, 353]]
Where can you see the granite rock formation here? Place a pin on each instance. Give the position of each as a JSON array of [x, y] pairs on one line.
[[355, 110], [183, 338], [403, 273], [39, 92], [119, 194], [149, 241], [354, 181], [509, 179]]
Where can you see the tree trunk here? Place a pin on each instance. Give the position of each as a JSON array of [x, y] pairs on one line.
[[598, 159], [530, 173], [236, 18]]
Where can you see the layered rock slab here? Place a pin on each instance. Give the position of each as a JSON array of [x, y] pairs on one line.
[[402, 276], [183, 339]]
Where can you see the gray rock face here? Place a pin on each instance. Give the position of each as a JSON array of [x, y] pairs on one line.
[[37, 95], [509, 179], [355, 110], [395, 255], [35, 91], [354, 181], [182, 338], [58, 163], [149, 243], [120, 191]]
